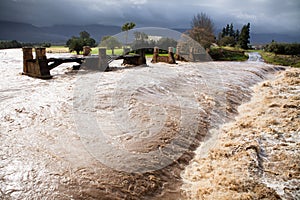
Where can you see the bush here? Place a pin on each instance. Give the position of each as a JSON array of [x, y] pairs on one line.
[[10, 44], [283, 48], [221, 54]]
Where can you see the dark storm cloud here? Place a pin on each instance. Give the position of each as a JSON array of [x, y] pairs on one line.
[[264, 15]]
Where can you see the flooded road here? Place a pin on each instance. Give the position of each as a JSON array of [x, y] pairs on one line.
[[151, 120]]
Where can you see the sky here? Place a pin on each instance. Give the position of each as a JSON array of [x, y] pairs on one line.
[[265, 16]]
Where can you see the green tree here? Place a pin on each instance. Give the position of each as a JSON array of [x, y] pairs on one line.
[[223, 34], [237, 35], [227, 41], [202, 30], [231, 31], [84, 35], [165, 43], [110, 42], [126, 27], [77, 43], [227, 30], [141, 40], [244, 38]]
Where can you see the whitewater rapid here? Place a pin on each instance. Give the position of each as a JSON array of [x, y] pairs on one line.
[[151, 121]]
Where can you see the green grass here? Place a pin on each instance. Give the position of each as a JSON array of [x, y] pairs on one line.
[[227, 54], [108, 51], [276, 59]]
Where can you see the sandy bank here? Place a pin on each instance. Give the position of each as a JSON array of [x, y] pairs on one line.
[[257, 156]]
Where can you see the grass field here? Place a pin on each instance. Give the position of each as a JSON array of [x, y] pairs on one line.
[[227, 54], [276, 59], [57, 49]]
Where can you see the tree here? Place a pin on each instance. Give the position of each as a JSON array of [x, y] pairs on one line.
[[237, 35], [110, 42], [227, 41], [84, 35], [202, 30], [165, 43], [244, 38], [227, 30], [77, 43], [141, 40], [231, 31], [126, 27]]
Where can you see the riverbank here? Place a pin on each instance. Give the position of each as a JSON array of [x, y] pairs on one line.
[[277, 59], [256, 156]]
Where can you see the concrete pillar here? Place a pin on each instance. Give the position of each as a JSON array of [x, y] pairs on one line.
[[126, 50], [191, 56], [171, 57], [27, 55], [142, 57], [102, 64], [41, 68], [40, 53], [155, 54], [87, 50]]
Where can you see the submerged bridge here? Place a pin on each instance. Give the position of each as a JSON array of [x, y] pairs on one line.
[[40, 66]]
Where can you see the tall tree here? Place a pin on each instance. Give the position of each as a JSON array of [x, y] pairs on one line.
[[244, 38], [202, 30], [126, 27], [231, 31], [84, 35], [223, 32], [237, 35], [110, 42], [227, 30]]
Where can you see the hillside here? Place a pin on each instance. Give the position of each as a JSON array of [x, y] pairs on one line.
[[58, 33]]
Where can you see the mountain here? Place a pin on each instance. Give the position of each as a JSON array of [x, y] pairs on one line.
[[95, 30], [61, 33], [27, 33], [56, 34]]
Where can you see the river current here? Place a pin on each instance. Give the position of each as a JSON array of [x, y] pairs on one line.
[[131, 142]]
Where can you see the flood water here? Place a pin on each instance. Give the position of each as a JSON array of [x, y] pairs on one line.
[[123, 134]]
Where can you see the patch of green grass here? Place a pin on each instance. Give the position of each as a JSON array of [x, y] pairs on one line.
[[228, 54], [108, 51], [277, 59]]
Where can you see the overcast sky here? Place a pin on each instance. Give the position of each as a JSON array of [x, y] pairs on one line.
[[265, 16]]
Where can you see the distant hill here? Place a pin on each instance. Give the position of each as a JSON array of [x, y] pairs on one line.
[[27, 33], [61, 33], [95, 30], [56, 34]]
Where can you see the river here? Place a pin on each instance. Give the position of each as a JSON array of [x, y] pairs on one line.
[[124, 134]]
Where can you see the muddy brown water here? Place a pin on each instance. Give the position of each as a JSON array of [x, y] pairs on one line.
[[44, 154]]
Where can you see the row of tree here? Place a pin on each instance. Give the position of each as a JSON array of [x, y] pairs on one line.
[[231, 37], [141, 41], [202, 31], [15, 44], [283, 48]]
